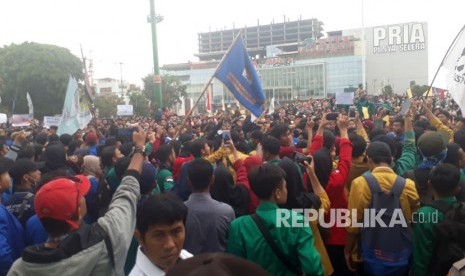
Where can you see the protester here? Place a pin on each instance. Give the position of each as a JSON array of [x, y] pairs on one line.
[[25, 175], [427, 259], [367, 191], [60, 206], [208, 220], [11, 232], [160, 229], [296, 244]]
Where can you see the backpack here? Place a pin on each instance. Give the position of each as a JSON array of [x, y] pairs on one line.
[[102, 199], [450, 233], [386, 250]]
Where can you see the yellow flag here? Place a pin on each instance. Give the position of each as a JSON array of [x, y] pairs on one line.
[[409, 93], [386, 119], [428, 93], [366, 114]]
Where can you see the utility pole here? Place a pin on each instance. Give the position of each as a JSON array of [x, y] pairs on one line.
[[157, 93]]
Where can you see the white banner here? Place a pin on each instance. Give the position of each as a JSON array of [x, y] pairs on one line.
[[124, 110], [51, 121], [346, 98], [20, 120], [3, 118]]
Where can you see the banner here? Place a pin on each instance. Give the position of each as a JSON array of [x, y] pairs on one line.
[[345, 98], [51, 121], [125, 110], [409, 93], [454, 66], [3, 118], [20, 120], [238, 74], [73, 118]]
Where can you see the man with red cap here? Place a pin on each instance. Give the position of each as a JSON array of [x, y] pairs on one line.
[[73, 248]]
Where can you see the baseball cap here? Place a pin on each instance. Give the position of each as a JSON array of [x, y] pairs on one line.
[[60, 198], [218, 264], [21, 167], [91, 137], [431, 143]]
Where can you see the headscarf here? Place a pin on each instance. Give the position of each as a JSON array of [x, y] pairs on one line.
[[91, 165], [224, 190]]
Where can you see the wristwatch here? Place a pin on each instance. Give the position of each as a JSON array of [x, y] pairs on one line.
[[140, 150]]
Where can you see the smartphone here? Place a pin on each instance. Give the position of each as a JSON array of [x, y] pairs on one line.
[[405, 107], [226, 134], [332, 116], [352, 110], [301, 158]]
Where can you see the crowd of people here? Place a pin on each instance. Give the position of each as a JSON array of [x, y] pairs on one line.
[[221, 194]]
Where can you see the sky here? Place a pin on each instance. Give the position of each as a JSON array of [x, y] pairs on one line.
[[116, 31]]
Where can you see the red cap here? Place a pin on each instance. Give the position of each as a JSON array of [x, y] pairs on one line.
[[60, 198], [91, 137]]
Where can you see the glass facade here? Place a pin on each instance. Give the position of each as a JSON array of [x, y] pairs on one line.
[[289, 83], [302, 80]]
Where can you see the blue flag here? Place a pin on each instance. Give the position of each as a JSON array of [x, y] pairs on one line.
[[238, 73]]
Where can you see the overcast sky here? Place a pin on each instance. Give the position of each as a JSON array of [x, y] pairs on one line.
[[114, 31]]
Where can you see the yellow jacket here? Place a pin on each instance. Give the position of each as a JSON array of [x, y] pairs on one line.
[[360, 197], [319, 244]]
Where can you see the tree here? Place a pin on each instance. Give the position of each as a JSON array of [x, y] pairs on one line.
[[387, 91], [140, 103], [171, 87], [106, 104], [40, 69]]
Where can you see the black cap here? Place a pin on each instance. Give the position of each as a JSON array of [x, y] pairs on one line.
[[21, 167], [5, 164]]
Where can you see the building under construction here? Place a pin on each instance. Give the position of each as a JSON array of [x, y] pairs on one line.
[[287, 36]]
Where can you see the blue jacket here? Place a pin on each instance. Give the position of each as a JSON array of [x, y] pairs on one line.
[[11, 240], [35, 232]]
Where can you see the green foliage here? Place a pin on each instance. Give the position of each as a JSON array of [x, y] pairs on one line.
[[106, 104], [171, 87], [40, 69], [387, 91], [140, 103]]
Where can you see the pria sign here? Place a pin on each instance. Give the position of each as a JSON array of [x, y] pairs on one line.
[[398, 38]]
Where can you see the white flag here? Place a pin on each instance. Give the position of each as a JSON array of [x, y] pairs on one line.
[[73, 118], [454, 66], [271, 109], [31, 107]]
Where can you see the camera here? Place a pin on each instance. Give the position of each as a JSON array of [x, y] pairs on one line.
[[301, 158], [352, 110], [226, 134]]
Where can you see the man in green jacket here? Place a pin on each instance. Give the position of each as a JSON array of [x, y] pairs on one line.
[[295, 243], [166, 156], [444, 179]]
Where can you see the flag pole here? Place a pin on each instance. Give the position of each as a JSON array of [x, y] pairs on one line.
[[189, 114], [88, 90], [442, 62]]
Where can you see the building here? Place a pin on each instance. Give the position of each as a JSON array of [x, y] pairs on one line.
[[296, 62]]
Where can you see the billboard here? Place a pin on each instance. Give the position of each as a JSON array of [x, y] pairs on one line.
[[395, 55]]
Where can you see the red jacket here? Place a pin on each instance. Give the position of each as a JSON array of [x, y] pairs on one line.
[[336, 186], [241, 174], [178, 164]]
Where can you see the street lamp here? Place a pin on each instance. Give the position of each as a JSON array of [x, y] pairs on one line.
[[154, 19]]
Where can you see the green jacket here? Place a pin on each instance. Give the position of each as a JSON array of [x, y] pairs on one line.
[[165, 178], [424, 237], [245, 240], [409, 158]]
